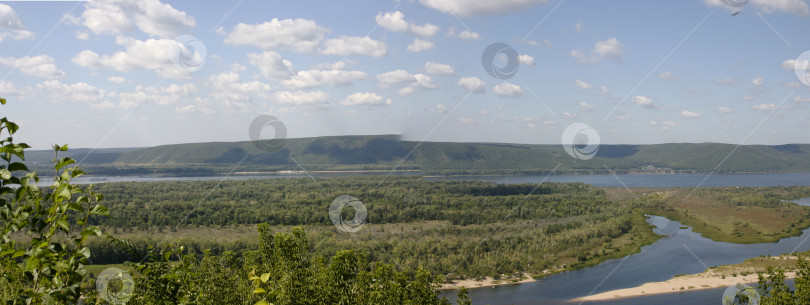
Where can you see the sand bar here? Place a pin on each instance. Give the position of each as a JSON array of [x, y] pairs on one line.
[[706, 280]]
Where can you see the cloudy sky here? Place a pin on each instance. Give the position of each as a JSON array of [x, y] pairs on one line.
[[142, 73]]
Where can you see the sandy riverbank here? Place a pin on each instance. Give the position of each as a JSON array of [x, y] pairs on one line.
[[486, 282], [706, 280]]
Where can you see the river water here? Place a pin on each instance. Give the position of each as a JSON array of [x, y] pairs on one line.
[[655, 180], [638, 180], [680, 252]]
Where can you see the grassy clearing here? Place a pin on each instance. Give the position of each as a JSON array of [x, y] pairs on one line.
[[736, 215], [97, 269]]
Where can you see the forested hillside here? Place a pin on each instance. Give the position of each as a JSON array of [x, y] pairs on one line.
[[387, 151]]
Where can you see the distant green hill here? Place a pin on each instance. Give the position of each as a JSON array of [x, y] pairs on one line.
[[384, 152]]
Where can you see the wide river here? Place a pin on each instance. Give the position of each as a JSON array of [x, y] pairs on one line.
[[681, 252], [639, 180]]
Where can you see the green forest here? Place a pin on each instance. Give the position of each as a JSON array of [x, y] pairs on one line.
[[459, 229]]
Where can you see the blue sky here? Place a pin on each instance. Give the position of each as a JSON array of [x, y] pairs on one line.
[[112, 73]]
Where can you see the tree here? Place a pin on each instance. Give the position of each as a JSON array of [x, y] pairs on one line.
[[47, 269]]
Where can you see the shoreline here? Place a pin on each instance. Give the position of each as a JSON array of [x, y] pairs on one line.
[[709, 279]]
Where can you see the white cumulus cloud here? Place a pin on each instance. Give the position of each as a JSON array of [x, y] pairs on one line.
[[585, 106], [642, 101], [231, 92], [467, 8], [395, 77], [365, 99], [159, 55], [39, 66], [764, 107], [9, 19], [690, 115], [300, 35], [426, 29], [395, 22], [526, 60], [467, 35], [11, 26], [605, 49], [310, 98], [152, 17], [77, 92], [412, 82], [392, 21], [315, 78], [797, 7], [508, 90], [419, 45], [667, 76], [472, 84], [438, 69], [354, 45], [162, 96], [582, 85], [272, 65]]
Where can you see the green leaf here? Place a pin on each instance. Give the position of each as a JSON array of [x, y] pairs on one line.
[[32, 263], [61, 223], [12, 128], [100, 210], [75, 206], [63, 161], [17, 166], [265, 277], [65, 193], [5, 174], [85, 251], [259, 290], [82, 199], [92, 230], [263, 302], [48, 300]]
